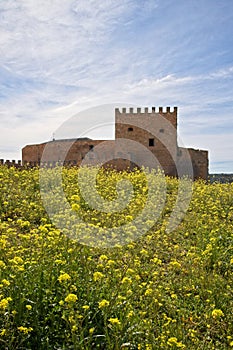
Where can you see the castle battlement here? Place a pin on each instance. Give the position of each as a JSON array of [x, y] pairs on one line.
[[9, 163], [146, 110]]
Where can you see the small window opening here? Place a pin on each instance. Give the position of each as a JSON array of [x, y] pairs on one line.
[[151, 142], [91, 147], [130, 129], [179, 152], [161, 130]]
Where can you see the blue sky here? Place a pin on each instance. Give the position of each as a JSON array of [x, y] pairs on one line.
[[60, 57]]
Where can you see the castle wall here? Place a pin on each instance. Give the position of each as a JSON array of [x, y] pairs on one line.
[[10, 163], [199, 161], [32, 153], [66, 151]]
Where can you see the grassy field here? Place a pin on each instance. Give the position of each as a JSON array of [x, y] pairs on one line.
[[166, 290]]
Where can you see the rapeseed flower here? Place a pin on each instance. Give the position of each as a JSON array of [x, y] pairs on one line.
[[5, 282], [25, 330], [4, 303], [91, 330], [103, 303], [75, 207], [86, 307], [148, 291], [217, 313], [71, 298], [98, 276], [3, 332], [126, 280], [114, 321], [174, 342], [64, 277]]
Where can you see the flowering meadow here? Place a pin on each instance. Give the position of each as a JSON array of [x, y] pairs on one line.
[[164, 290]]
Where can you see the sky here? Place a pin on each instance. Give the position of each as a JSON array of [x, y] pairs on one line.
[[58, 58]]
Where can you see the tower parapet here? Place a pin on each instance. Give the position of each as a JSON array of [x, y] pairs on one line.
[[146, 110], [167, 112]]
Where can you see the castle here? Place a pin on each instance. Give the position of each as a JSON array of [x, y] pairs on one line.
[[140, 135]]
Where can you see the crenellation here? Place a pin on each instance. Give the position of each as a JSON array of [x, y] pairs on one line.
[[11, 163], [139, 110]]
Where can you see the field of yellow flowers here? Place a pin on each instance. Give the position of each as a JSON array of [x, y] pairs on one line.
[[165, 290]]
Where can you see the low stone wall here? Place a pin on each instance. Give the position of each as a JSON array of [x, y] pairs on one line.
[[10, 163]]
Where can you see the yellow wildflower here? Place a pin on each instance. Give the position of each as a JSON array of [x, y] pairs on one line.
[[71, 298], [97, 275], [86, 307], [75, 207], [216, 313], [126, 280], [174, 342], [64, 277], [3, 332], [103, 257], [114, 321], [25, 330], [148, 291], [2, 264], [130, 314], [75, 197], [91, 330], [175, 264], [4, 303], [5, 282], [74, 328], [103, 303]]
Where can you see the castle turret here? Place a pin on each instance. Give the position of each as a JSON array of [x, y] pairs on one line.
[[154, 128]]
